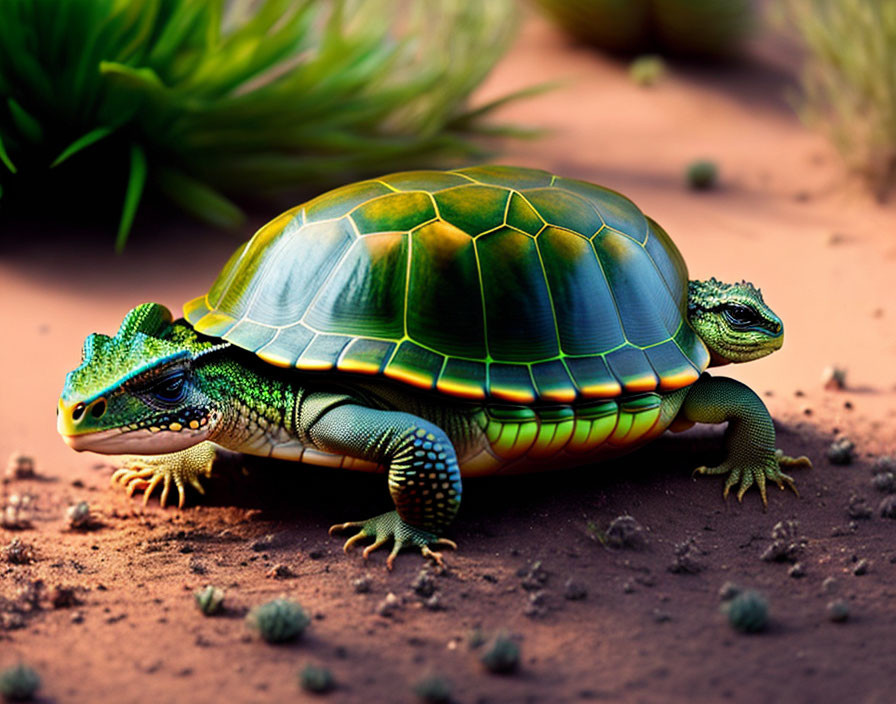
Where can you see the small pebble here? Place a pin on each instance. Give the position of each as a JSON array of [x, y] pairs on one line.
[[280, 571], [841, 451], [728, 591], [887, 508], [389, 605], [574, 591], [362, 584], [424, 584], [18, 552], [20, 466], [625, 532], [78, 516], [861, 567], [884, 482], [797, 571], [535, 577], [858, 508], [833, 378], [829, 585], [838, 611]]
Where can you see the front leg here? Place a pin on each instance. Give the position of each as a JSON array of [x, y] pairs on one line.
[[145, 473], [750, 437], [424, 478]]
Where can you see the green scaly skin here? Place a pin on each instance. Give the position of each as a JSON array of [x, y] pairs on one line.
[[159, 389]]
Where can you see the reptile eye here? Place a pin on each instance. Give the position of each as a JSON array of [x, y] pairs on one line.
[[740, 315], [170, 389]]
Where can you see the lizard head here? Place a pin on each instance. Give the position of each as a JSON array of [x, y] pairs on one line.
[[140, 390], [733, 320]]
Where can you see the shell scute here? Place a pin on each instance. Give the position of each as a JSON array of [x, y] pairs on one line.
[[508, 176], [561, 208], [447, 316], [415, 365], [519, 319], [398, 212], [427, 181], [615, 209], [341, 201], [365, 293], [632, 368], [586, 324], [648, 313], [522, 216], [474, 209]]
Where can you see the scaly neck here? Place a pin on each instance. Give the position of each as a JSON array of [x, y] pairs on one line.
[[256, 405]]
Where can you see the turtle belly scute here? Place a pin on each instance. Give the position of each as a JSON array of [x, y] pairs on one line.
[[531, 440]]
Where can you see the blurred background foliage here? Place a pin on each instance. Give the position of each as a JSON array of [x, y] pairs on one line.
[[849, 80], [695, 28], [211, 104]]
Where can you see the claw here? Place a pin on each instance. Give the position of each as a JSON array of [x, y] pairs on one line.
[[379, 542], [354, 540]]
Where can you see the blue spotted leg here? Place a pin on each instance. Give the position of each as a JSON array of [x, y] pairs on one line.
[[424, 478]]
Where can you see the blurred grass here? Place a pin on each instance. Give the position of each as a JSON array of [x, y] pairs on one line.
[[695, 28], [210, 103], [849, 80]]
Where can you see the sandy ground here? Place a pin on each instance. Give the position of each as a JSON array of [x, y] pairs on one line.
[[785, 218]]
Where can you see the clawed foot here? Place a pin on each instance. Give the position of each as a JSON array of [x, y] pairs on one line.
[[182, 468], [748, 474], [390, 526]]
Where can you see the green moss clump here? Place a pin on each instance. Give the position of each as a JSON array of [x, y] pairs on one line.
[[209, 600], [19, 683], [316, 679], [702, 175], [647, 70], [433, 690], [503, 657], [279, 621], [747, 612]]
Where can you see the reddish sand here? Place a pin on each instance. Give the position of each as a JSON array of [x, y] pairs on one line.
[[785, 217]]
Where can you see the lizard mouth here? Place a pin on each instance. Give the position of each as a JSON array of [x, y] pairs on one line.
[[118, 442]]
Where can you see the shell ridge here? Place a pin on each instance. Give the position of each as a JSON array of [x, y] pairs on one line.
[[323, 286]]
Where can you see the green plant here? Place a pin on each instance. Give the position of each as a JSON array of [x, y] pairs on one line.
[[706, 28], [19, 683], [849, 80], [747, 612], [647, 70], [316, 679], [433, 690], [502, 656], [702, 175], [279, 621], [209, 103], [209, 600]]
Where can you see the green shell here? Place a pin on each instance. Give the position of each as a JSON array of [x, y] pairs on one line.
[[491, 282]]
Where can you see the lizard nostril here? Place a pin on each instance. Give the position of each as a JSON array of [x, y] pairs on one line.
[[78, 411], [98, 408]]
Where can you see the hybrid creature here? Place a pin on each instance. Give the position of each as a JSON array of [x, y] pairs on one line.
[[433, 325]]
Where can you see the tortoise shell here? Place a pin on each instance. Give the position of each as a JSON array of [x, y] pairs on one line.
[[499, 283]]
